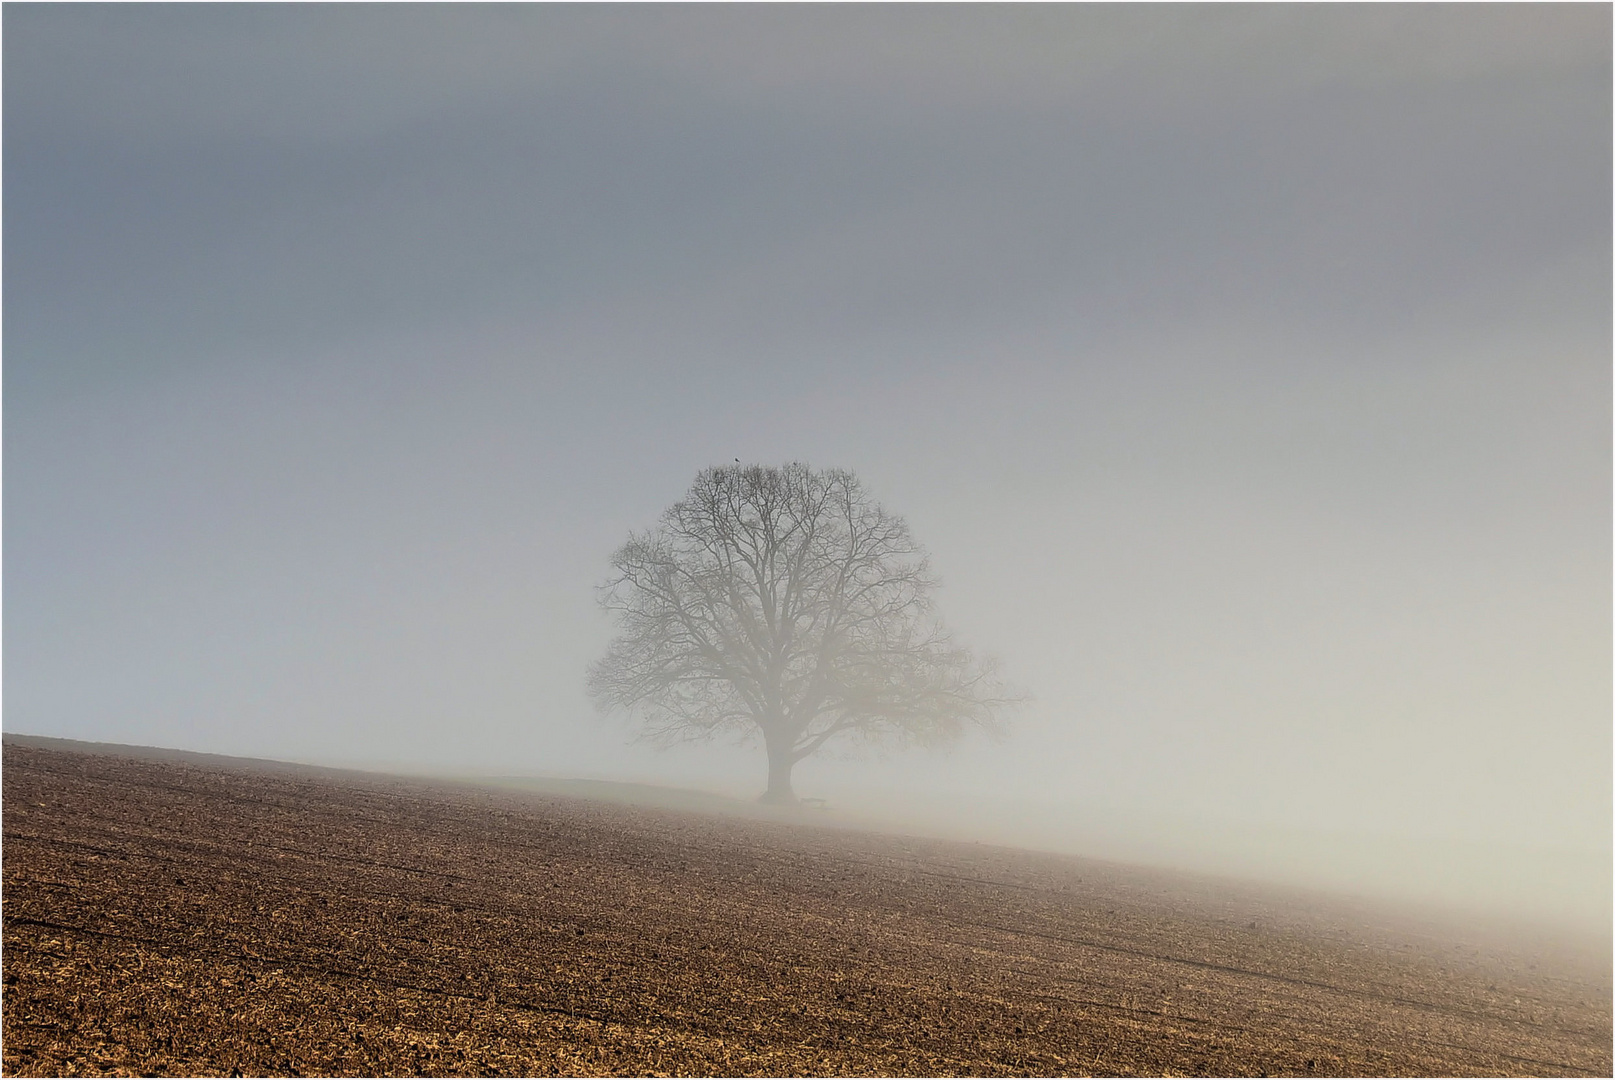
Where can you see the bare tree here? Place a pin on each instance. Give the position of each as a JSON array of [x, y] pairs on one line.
[[785, 602]]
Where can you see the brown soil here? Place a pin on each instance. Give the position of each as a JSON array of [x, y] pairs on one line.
[[171, 916]]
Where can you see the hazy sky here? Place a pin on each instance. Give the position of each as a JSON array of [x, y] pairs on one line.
[[1247, 371]]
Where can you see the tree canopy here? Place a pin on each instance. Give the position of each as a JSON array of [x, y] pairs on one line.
[[785, 602]]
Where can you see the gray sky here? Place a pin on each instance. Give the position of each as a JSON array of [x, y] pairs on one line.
[[1246, 370]]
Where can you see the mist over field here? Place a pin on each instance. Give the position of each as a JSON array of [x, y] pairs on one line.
[[1245, 371]]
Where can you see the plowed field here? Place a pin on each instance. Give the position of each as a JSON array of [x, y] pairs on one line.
[[172, 916]]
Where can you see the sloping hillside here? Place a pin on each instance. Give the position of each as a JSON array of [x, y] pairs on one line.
[[207, 917]]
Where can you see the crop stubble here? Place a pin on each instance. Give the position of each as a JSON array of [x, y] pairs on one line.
[[170, 916]]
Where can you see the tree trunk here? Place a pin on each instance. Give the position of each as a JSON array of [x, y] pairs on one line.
[[780, 761]]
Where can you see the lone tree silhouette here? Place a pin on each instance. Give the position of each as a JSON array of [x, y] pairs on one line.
[[785, 602]]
